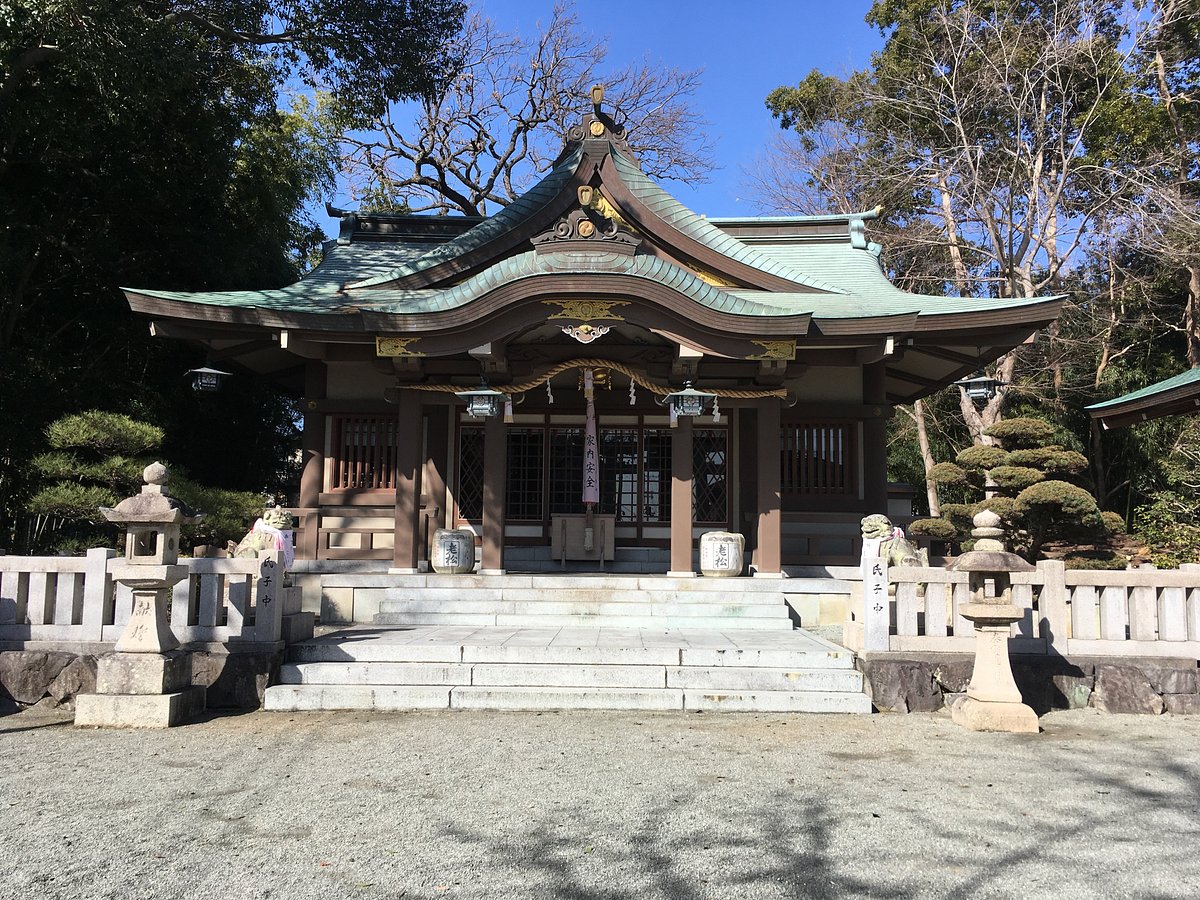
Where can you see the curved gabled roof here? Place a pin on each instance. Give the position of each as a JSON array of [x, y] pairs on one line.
[[804, 282], [490, 228], [422, 301], [695, 227]]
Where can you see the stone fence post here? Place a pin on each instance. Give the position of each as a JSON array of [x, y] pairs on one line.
[[1052, 605], [98, 593]]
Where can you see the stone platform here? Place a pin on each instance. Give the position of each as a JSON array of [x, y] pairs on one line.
[[466, 667]]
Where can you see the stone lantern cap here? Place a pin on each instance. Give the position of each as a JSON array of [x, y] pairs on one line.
[[153, 505], [989, 554]]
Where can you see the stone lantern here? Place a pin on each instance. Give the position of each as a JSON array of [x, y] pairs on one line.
[[148, 680], [993, 702]]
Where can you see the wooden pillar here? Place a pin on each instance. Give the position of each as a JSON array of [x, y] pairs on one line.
[[681, 498], [495, 465], [433, 478], [875, 483], [312, 451], [746, 421], [409, 437], [768, 549]]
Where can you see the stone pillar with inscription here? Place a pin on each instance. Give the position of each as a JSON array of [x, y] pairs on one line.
[[147, 682]]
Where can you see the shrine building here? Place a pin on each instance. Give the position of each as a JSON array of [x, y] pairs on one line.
[[743, 371]]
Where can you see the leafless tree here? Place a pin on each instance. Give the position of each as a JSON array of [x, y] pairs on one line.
[[500, 122]]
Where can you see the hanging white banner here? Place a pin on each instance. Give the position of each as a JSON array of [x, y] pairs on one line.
[[591, 449]]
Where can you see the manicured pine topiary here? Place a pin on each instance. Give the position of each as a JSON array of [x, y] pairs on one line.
[[1033, 485]]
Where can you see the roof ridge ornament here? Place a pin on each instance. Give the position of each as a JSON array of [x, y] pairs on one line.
[[598, 125], [595, 224]]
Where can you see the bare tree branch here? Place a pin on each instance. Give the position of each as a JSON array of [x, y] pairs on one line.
[[501, 121]]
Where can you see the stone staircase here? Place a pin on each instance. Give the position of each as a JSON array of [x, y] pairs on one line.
[[627, 560], [568, 668], [556, 601]]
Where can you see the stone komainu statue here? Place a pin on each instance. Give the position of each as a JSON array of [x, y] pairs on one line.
[[268, 533], [893, 545]]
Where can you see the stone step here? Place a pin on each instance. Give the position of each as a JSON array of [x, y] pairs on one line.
[[569, 595], [375, 673], [286, 697], [574, 675], [519, 620], [555, 582], [289, 697], [669, 653], [485, 697], [568, 605], [757, 679], [566, 675], [776, 701]]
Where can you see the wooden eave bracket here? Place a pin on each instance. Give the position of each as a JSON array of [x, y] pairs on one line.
[[686, 364], [492, 358], [877, 352], [771, 372], [299, 346]]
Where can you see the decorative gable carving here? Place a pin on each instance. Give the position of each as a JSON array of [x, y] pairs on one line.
[[595, 225]]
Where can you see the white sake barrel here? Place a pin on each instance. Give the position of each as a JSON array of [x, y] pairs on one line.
[[722, 554], [453, 551]]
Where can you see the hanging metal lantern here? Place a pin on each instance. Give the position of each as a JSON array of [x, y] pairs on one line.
[[980, 387], [689, 401], [482, 402], [207, 380]]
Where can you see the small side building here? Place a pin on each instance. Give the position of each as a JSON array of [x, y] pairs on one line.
[[792, 322]]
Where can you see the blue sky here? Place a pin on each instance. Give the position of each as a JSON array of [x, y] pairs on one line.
[[746, 49]]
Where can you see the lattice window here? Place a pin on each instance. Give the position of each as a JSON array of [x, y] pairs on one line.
[[566, 471], [619, 473], [470, 473], [525, 456], [818, 458], [364, 452], [710, 482], [656, 475]]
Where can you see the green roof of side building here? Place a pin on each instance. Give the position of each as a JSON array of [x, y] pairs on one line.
[[1171, 396]]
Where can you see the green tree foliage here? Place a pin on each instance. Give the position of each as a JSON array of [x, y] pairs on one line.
[[144, 143], [363, 52], [1021, 147], [97, 460], [1029, 487], [1169, 521]]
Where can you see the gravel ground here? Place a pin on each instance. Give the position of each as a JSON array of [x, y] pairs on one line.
[[598, 805]]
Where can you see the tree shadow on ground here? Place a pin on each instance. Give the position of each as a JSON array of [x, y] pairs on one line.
[[978, 840]]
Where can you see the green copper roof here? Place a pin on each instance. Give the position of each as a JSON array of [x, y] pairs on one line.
[[847, 282], [701, 230], [326, 299], [1183, 379], [864, 304], [509, 216]]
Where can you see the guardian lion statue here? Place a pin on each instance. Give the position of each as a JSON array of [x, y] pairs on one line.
[[893, 545], [269, 533]]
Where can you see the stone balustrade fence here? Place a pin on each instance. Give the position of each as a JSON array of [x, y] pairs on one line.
[[75, 600], [1068, 612]]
